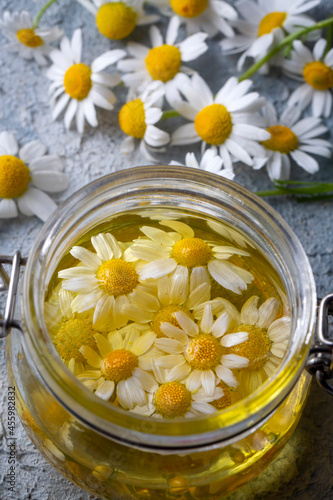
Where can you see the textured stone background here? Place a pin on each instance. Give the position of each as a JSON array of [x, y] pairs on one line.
[[304, 468]]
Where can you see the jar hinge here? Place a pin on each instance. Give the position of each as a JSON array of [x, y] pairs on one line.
[[9, 285], [320, 360]]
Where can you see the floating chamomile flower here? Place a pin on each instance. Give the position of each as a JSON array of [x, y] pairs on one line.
[[266, 343], [163, 62], [116, 19], [118, 366], [137, 120], [28, 41], [104, 282], [210, 16], [78, 86], [316, 70], [264, 25], [203, 358], [291, 137], [225, 121], [166, 251], [210, 161], [24, 176]]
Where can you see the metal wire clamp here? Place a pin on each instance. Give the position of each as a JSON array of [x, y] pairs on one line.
[[10, 284]]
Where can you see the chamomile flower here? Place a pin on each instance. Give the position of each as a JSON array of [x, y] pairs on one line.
[[316, 70], [25, 174], [292, 138], [27, 41], [80, 87], [225, 121], [266, 343], [162, 62], [166, 252], [173, 399], [116, 19], [264, 25], [117, 366], [203, 359], [210, 161], [137, 120], [105, 282], [210, 16]]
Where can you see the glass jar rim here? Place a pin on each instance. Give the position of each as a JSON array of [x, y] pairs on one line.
[[209, 190]]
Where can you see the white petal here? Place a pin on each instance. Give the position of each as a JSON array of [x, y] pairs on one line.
[[8, 209], [105, 390], [107, 59], [221, 325], [52, 182], [249, 312], [8, 143], [170, 346], [268, 312], [226, 375], [226, 276], [157, 269], [208, 382], [87, 257], [207, 319], [142, 344], [193, 382], [39, 203], [234, 339], [187, 324], [234, 361], [32, 150]]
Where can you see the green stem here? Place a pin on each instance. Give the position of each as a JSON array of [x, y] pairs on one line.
[[170, 113], [329, 39], [271, 192], [41, 13], [286, 41]]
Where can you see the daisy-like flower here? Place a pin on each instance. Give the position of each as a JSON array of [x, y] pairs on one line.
[[291, 137], [316, 70], [137, 120], [210, 161], [225, 121], [173, 399], [203, 358], [116, 19], [25, 174], [266, 344], [27, 41], [264, 25], [117, 366], [210, 16], [104, 282], [78, 86], [166, 251], [163, 62]]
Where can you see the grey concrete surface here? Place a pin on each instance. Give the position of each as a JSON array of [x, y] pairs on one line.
[[303, 471]]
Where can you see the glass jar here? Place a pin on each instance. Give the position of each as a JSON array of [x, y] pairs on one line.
[[121, 455]]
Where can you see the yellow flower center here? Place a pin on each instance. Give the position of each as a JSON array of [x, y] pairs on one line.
[[225, 400], [318, 75], [213, 124], [116, 20], [132, 119], [172, 400], [255, 349], [14, 177], [282, 139], [29, 38], [117, 277], [204, 352], [77, 81], [119, 364], [271, 21], [189, 8], [191, 252], [73, 334], [163, 62], [167, 314]]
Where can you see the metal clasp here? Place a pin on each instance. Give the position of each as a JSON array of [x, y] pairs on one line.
[[320, 361], [9, 285]]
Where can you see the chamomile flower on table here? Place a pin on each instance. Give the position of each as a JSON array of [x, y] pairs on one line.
[[117, 367], [77, 87], [162, 62], [268, 337], [104, 282], [210, 16], [137, 119], [292, 138], [116, 19], [226, 120], [315, 69], [25, 173], [203, 357], [25, 39], [263, 25], [210, 162], [165, 251]]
